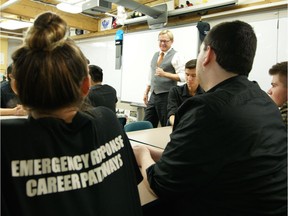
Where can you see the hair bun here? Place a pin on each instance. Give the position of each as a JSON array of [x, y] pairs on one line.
[[48, 31]]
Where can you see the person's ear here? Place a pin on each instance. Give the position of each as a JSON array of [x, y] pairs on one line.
[[85, 86], [10, 76], [208, 55], [13, 85]]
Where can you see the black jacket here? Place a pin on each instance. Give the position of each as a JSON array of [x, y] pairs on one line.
[[87, 167], [227, 155]]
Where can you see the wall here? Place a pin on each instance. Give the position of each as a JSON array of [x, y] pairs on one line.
[[13, 44], [101, 51], [271, 31], [3, 55]]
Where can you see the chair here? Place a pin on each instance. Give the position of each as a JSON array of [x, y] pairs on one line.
[[122, 121], [138, 125]]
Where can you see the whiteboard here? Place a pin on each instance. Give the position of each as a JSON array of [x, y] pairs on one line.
[[266, 53], [102, 52], [138, 50], [282, 54]]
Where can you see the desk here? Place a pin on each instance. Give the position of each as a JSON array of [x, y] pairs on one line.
[[158, 137]]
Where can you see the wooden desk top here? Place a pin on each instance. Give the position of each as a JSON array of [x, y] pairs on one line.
[[145, 195], [156, 136]]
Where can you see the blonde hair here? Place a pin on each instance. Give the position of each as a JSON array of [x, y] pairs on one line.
[[168, 32]]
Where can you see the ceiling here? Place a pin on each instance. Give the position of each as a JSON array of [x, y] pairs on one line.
[[27, 10]]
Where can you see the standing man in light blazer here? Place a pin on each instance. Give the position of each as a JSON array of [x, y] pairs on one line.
[[167, 67]]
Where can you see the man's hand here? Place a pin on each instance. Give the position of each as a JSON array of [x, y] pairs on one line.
[[160, 72], [145, 99]]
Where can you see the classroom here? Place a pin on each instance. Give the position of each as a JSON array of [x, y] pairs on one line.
[[226, 152], [269, 20]]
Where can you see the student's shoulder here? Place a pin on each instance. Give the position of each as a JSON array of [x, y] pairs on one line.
[[200, 101], [14, 124], [4, 85], [177, 89], [109, 88], [100, 112], [104, 119]]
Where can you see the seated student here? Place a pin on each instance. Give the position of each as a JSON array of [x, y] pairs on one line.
[[227, 154], [178, 94], [63, 161], [101, 95], [278, 91], [10, 104]]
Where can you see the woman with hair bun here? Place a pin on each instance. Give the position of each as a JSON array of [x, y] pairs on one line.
[[61, 160]]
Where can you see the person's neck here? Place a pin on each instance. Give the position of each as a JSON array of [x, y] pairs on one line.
[[192, 90], [67, 114], [96, 83], [216, 76]]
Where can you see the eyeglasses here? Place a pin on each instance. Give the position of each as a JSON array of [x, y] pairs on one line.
[[164, 41]]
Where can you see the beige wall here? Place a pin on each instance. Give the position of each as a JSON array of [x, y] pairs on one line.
[[3, 54]]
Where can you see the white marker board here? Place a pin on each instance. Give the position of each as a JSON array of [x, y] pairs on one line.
[[101, 51]]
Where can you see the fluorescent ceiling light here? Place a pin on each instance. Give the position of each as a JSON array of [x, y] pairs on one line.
[[14, 24], [69, 8]]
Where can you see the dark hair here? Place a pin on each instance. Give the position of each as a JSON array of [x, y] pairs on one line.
[[235, 45], [49, 68], [191, 64], [96, 73], [281, 69], [9, 71]]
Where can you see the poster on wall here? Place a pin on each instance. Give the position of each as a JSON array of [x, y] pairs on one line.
[[106, 23]]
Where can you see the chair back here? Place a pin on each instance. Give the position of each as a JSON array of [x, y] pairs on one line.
[[138, 125], [122, 121]]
